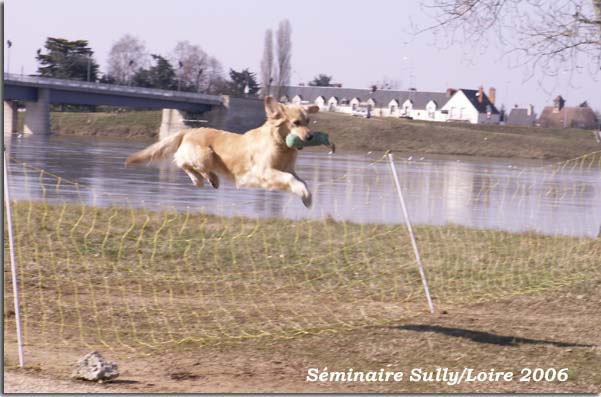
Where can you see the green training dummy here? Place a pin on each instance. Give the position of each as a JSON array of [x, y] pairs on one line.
[[293, 141]]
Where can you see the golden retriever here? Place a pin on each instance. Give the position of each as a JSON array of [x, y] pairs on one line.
[[257, 158]]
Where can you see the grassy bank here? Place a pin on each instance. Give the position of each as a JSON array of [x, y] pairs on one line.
[[422, 137], [142, 124], [376, 134], [270, 294]]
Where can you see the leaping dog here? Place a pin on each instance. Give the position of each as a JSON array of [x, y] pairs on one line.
[[257, 158]]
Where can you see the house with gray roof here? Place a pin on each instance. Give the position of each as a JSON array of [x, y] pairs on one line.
[[386, 103], [419, 105], [521, 116]]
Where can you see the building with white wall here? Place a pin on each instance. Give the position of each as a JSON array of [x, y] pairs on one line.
[[453, 105], [472, 106]]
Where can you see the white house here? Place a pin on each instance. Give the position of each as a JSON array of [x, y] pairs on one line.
[[472, 106]]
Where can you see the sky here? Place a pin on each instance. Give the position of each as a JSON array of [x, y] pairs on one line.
[[357, 42]]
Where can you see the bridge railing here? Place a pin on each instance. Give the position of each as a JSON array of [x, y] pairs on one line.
[[61, 83]]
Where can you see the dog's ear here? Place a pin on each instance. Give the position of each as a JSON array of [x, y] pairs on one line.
[[273, 109], [313, 109]]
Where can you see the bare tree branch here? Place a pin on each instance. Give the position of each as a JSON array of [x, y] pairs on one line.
[[551, 35]]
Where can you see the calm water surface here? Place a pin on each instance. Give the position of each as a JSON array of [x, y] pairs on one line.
[[510, 195]]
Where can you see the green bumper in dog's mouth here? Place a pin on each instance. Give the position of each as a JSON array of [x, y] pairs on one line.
[[293, 141]]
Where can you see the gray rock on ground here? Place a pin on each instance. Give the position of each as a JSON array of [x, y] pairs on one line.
[[95, 368]]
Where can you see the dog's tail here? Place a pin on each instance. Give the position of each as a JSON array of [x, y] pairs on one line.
[[162, 149]]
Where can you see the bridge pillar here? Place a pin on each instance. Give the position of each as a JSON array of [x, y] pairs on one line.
[[37, 114], [10, 117], [172, 121], [217, 116]]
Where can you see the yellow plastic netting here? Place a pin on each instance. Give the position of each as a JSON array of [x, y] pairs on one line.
[[120, 276]]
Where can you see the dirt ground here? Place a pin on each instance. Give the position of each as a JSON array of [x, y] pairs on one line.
[[556, 329]]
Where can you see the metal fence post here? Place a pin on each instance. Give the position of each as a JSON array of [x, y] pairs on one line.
[[13, 264], [413, 242]]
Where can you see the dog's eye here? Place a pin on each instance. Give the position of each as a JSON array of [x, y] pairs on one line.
[[296, 122]]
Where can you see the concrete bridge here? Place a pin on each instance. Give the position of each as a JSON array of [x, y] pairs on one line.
[[39, 92]]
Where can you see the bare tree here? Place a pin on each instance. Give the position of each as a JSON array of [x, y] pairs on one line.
[[267, 63], [127, 55], [215, 81], [196, 70], [546, 35], [190, 63], [283, 56]]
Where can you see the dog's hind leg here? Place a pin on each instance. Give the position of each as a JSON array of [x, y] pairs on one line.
[[198, 163], [213, 180], [211, 177], [197, 178]]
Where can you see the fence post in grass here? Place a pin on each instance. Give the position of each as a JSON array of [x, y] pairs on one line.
[[413, 242], [13, 264]]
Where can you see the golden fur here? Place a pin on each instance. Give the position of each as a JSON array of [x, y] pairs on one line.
[[257, 158]]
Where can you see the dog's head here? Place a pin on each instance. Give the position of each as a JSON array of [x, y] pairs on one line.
[[290, 118]]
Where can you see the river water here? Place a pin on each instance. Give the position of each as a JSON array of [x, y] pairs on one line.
[[512, 195]]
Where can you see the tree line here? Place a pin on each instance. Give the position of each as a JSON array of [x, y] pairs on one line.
[[186, 68]]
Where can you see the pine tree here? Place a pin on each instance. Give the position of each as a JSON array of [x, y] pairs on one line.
[[66, 59], [239, 82]]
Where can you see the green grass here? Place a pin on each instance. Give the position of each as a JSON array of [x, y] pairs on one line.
[[121, 276], [144, 124]]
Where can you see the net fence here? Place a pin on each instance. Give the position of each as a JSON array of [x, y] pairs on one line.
[[101, 270]]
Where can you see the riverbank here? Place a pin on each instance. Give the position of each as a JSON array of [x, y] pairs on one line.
[[375, 134], [419, 137]]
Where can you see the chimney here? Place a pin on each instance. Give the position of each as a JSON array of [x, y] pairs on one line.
[[558, 103], [530, 110], [481, 94], [492, 94], [450, 92]]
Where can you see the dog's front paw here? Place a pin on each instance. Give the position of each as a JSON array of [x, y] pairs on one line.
[[300, 189]]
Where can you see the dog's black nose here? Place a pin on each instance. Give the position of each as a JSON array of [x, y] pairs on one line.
[[309, 137]]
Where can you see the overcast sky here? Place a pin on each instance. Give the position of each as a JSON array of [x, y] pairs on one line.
[[357, 42]]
